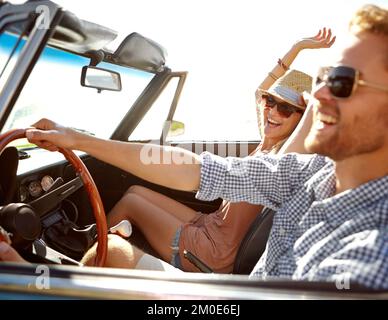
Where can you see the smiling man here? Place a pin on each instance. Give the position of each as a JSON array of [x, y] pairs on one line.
[[332, 207]]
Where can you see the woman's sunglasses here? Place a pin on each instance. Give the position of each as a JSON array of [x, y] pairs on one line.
[[284, 109], [342, 81]]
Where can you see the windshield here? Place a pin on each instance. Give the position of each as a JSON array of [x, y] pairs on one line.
[[53, 91], [10, 49]]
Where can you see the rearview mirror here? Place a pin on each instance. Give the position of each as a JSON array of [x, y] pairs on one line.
[[100, 79]]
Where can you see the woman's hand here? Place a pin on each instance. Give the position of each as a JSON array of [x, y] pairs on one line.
[[323, 39]]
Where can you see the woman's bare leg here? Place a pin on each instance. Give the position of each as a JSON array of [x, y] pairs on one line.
[[158, 225], [181, 211], [123, 212]]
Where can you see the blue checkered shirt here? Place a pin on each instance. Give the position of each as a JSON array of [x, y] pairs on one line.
[[316, 235]]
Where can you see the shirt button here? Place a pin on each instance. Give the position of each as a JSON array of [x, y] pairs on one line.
[[282, 232]]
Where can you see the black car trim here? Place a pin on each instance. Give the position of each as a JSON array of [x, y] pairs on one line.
[[28, 57]]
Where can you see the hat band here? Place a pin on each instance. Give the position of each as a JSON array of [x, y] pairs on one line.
[[287, 94]]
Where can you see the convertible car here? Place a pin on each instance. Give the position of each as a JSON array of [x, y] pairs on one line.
[[52, 205]]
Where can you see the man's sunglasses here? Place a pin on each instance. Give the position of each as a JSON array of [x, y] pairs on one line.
[[284, 109], [342, 81]]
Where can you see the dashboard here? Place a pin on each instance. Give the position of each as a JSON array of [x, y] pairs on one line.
[[34, 186], [47, 186], [22, 186], [39, 173]]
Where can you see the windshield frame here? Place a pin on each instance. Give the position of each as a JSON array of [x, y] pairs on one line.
[[55, 75], [40, 38], [35, 43]]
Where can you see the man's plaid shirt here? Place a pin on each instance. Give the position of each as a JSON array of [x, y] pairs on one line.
[[316, 235]]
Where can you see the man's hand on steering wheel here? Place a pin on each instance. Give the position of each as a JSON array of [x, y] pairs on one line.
[[50, 135]]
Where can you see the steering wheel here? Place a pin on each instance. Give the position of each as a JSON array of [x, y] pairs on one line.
[[91, 190]]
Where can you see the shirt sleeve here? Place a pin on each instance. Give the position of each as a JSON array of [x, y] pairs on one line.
[[264, 179]]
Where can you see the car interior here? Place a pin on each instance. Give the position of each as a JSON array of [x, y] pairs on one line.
[[61, 225]]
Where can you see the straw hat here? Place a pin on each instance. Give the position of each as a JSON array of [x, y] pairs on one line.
[[290, 87]]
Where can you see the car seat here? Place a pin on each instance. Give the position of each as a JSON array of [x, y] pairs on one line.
[[253, 244]]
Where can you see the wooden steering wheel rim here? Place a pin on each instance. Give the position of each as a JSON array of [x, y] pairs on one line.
[[91, 190]]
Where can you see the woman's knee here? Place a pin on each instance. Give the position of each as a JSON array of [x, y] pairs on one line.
[[136, 189], [131, 207], [127, 206]]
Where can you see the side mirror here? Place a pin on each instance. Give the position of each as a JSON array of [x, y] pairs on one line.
[[177, 128], [100, 79]]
